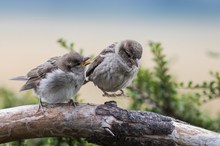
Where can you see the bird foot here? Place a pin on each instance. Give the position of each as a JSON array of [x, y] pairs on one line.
[[111, 103], [114, 94], [122, 94], [109, 95], [72, 103], [107, 129], [40, 108]]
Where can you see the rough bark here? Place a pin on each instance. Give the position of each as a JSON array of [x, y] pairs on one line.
[[104, 124]]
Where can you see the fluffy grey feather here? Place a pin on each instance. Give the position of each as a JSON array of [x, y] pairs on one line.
[[58, 79], [116, 66]]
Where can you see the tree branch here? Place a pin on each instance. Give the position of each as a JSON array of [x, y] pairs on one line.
[[104, 124]]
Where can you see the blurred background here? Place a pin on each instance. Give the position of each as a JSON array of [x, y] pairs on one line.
[[189, 32]]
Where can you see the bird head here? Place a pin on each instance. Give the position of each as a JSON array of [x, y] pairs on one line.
[[73, 62], [130, 51]]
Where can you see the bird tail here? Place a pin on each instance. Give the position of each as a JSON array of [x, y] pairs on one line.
[[20, 78]]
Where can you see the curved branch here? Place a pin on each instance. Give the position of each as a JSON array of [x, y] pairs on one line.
[[104, 124]]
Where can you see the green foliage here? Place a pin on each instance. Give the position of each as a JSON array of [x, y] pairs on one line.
[[9, 98], [202, 93], [63, 43], [208, 89], [213, 54], [52, 141], [60, 141], [155, 90], [70, 46]]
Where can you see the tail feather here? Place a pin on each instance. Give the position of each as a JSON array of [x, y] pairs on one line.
[[27, 87], [20, 78]]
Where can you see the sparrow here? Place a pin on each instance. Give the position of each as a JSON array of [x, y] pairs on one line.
[[115, 67], [58, 79]]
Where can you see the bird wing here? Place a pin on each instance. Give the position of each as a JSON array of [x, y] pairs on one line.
[[35, 75], [98, 60]]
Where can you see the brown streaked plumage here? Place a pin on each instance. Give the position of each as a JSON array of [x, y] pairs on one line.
[[115, 67], [58, 79]]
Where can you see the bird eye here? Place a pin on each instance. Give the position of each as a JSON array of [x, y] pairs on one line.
[[78, 63], [69, 67], [128, 54]]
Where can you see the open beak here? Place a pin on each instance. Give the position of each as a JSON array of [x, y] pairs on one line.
[[85, 61]]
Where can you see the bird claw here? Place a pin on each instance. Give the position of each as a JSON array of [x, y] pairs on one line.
[[72, 103], [122, 94], [109, 95], [111, 103], [40, 107], [114, 94], [107, 129]]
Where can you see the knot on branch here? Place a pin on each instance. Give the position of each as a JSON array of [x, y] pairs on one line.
[[135, 122]]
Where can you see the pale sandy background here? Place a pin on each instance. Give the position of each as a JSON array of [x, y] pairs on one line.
[[187, 30]]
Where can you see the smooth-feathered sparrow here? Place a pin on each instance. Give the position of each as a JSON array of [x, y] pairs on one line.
[[115, 67], [58, 79]]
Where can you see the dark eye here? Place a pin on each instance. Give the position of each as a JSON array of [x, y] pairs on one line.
[[77, 63], [128, 54], [69, 67]]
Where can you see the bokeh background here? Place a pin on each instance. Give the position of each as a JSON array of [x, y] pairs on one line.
[[188, 30]]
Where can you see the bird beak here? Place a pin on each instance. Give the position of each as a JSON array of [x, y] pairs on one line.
[[85, 61], [136, 62]]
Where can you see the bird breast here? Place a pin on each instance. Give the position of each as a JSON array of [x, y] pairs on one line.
[[113, 74], [59, 86]]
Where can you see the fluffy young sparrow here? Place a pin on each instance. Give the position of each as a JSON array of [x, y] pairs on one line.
[[115, 67], [58, 79]]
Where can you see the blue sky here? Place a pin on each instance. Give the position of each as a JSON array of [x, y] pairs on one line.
[[113, 9]]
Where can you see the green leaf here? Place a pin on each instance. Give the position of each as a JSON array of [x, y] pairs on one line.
[[72, 46], [190, 84]]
